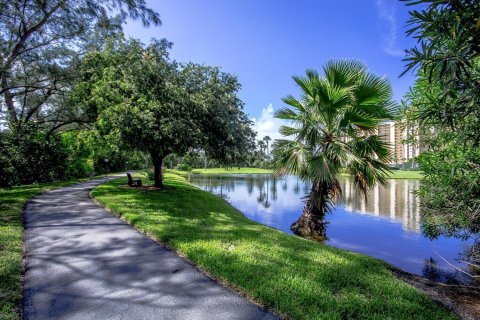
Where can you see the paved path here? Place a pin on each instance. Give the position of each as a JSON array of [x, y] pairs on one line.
[[84, 263]]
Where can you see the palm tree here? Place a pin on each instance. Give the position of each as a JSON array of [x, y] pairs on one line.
[[267, 139], [333, 130], [261, 145]]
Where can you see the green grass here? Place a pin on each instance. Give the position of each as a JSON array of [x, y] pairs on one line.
[[231, 170], [401, 174], [12, 202], [406, 174], [297, 278], [179, 172]]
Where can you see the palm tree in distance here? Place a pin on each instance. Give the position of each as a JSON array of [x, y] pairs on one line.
[[261, 145], [267, 140], [333, 130]]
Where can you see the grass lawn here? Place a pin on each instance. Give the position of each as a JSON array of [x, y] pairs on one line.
[[12, 201], [406, 174], [297, 278], [231, 170], [401, 174]]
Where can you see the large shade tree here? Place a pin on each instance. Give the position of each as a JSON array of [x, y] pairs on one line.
[[333, 130], [156, 105]]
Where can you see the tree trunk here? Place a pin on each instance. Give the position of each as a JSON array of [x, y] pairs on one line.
[[157, 170], [311, 223]]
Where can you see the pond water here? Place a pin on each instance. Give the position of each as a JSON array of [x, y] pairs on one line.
[[386, 225]]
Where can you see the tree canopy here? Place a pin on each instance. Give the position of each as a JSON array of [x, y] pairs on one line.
[[154, 104], [41, 43]]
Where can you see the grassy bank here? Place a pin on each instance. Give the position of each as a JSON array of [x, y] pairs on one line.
[[406, 174], [231, 170], [12, 201], [402, 174], [297, 278]]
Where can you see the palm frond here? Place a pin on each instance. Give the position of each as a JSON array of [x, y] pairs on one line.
[[291, 101], [343, 72], [304, 84], [357, 118], [293, 158], [322, 168], [287, 114], [289, 131], [374, 96], [372, 146]]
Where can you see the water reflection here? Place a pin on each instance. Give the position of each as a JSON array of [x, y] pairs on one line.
[[386, 225], [396, 201]]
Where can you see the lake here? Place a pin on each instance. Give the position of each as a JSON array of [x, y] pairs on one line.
[[386, 225]]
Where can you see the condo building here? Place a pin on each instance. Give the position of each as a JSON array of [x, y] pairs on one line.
[[396, 134]]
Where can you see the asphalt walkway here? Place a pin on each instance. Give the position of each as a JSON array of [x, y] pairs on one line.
[[82, 262]]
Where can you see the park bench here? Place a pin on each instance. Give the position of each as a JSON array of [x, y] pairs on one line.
[[133, 182]]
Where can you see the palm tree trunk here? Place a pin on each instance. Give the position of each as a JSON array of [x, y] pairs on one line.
[[311, 223]]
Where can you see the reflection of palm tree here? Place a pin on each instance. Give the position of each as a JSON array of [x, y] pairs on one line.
[[260, 186], [284, 187], [296, 189], [249, 185], [274, 189], [261, 197], [332, 130], [266, 204], [263, 194], [305, 188]]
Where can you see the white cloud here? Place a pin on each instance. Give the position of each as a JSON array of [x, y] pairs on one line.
[[267, 124], [386, 15]]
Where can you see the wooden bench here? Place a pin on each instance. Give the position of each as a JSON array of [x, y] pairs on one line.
[[133, 182]]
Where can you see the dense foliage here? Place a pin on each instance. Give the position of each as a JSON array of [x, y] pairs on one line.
[[444, 103], [41, 43], [26, 157], [333, 130]]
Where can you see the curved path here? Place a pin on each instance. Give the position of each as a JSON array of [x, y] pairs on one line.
[[84, 263]]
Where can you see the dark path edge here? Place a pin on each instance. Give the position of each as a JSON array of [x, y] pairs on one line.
[[205, 272]]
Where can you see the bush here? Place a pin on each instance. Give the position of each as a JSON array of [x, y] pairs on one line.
[[148, 174], [27, 156], [184, 167]]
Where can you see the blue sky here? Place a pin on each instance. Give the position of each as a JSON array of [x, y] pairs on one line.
[[265, 42]]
